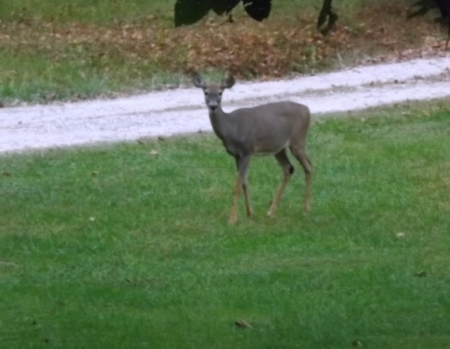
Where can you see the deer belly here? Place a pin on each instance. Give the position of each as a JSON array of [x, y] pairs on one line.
[[271, 149]]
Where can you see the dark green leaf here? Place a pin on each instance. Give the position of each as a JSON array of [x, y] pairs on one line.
[[258, 9], [221, 7], [191, 11]]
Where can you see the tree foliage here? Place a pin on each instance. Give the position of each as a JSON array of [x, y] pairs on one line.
[[424, 6], [190, 11], [327, 16], [421, 7]]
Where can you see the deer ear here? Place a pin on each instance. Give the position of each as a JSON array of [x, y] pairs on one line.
[[228, 82], [198, 81]]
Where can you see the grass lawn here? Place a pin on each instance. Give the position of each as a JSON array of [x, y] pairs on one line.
[[113, 247], [62, 50]]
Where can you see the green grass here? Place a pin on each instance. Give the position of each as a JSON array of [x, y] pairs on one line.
[[71, 78], [87, 11], [112, 247]]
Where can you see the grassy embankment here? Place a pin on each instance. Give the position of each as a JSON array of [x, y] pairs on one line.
[[54, 49]]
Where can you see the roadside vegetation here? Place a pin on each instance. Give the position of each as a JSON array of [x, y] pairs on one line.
[[69, 50], [127, 246]]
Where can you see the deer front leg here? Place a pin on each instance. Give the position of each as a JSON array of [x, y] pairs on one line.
[[241, 181], [237, 190]]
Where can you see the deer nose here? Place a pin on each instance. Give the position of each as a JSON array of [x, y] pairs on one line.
[[212, 105]]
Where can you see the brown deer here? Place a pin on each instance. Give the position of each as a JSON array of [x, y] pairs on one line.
[[268, 129]]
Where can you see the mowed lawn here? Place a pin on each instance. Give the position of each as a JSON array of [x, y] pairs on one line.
[[128, 246]]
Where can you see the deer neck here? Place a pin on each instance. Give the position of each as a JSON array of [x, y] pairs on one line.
[[221, 123]]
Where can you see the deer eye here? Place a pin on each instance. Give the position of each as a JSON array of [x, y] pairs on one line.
[[206, 93], [220, 93]]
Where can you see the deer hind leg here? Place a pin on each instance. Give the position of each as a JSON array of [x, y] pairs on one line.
[[300, 154], [288, 170], [241, 181]]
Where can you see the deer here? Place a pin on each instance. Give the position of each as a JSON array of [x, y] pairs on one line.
[[268, 129]]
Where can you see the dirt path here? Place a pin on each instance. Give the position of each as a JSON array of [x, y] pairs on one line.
[[182, 111]]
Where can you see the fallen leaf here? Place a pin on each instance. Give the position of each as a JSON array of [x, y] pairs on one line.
[[421, 274], [242, 324]]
